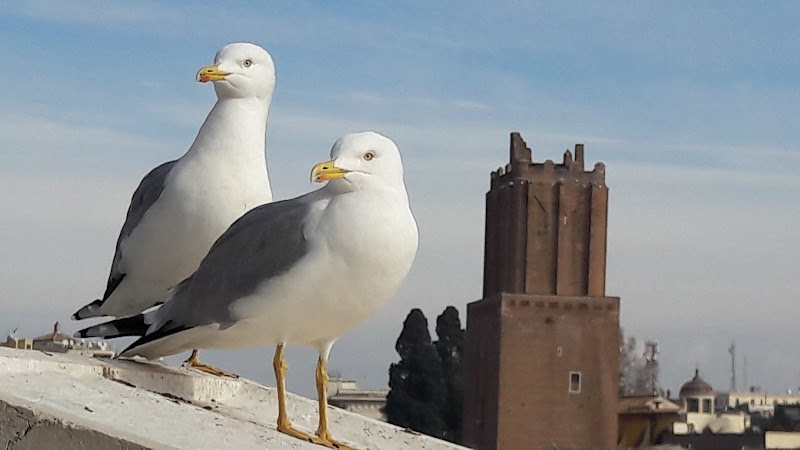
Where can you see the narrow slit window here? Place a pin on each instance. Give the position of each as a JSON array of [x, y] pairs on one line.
[[574, 382]]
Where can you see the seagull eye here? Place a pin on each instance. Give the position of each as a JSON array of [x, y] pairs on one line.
[[368, 156], [248, 62]]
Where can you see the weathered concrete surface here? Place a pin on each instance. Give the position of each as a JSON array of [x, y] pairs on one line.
[[70, 401], [22, 428]]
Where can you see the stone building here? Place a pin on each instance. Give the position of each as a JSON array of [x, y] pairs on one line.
[[700, 412], [347, 395], [643, 420], [542, 349], [14, 341], [54, 342], [58, 342], [758, 401]]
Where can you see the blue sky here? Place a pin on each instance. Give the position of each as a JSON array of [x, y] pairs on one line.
[[692, 106]]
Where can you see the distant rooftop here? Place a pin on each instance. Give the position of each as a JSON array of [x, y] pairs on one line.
[[696, 386], [56, 335]]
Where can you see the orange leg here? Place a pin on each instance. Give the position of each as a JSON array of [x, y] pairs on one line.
[[323, 432], [284, 424]]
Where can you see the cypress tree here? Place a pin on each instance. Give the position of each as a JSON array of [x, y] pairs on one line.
[[450, 348], [416, 386]]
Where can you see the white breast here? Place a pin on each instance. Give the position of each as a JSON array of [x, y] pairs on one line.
[[361, 252], [194, 209]]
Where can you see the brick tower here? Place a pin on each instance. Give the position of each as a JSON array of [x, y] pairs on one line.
[[542, 351]]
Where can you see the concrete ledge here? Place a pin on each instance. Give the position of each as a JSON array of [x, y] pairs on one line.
[[22, 428], [71, 401]]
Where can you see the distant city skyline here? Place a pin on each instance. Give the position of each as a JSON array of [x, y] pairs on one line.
[[691, 106]]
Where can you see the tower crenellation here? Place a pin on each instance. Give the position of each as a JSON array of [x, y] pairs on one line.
[[522, 167]]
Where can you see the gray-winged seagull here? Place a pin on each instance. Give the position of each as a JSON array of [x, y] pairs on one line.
[[181, 207], [302, 271]]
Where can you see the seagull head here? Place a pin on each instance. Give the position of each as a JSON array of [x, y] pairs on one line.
[[361, 160], [241, 70]]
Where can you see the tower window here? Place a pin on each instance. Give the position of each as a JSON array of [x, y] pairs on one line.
[[574, 382]]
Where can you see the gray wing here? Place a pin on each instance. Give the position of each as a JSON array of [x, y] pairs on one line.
[[146, 194], [262, 244]]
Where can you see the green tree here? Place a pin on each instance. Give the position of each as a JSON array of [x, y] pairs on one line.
[[450, 348], [416, 387]]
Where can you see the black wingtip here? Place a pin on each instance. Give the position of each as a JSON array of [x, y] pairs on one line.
[[104, 330], [126, 326], [168, 329], [80, 333], [88, 311]]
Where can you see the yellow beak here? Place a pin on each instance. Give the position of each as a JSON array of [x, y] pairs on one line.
[[210, 73], [325, 171]]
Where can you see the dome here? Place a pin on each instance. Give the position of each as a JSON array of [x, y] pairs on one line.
[[696, 387]]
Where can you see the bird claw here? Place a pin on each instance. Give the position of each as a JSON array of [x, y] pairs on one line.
[[212, 370], [291, 431], [326, 437], [194, 363]]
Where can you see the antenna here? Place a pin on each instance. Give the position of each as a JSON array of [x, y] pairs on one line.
[[732, 351], [651, 364]]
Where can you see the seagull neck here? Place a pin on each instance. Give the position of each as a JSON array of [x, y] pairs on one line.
[[237, 122], [339, 187]]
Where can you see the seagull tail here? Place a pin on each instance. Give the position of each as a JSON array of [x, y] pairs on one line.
[[126, 326], [164, 341], [88, 311]]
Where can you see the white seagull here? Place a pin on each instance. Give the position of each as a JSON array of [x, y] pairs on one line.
[[302, 271], [181, 207]]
